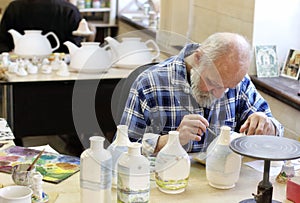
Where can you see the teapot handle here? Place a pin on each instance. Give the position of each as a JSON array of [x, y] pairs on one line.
[[156, 48], [56, 39]]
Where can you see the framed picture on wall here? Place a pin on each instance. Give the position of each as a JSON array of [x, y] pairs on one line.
[[266, 61], [291, 68]]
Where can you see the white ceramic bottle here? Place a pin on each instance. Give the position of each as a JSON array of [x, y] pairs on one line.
[[133, 176], [95, 173], [172, 166], [222, 164], [117, 148]]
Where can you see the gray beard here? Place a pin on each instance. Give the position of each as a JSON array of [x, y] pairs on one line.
[[204, 99]]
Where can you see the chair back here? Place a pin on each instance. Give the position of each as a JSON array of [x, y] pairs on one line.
[[121, 92]]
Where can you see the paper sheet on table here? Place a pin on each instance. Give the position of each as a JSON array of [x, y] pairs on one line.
[[5, 131], [47, 148], [275, 167]]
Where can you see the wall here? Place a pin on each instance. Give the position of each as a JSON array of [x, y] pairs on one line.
[[223, 15], [4, 3], [197, 19], [288, 116], [277, 23], [3, 6]]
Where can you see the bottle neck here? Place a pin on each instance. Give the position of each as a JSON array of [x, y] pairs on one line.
[[173, 138], [224, 138], [122, 135], [134, 149], [96, 143]]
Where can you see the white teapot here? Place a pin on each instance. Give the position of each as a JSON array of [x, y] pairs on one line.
[[90, 57], [132, 52], [33, 43]]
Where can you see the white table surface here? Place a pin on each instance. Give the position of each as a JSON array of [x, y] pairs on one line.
[[197, 190], [112, 73]]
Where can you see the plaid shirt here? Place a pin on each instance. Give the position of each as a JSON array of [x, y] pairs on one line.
[[161, 96]]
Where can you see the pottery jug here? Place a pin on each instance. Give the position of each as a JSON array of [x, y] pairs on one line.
[[172, 166], [90, 57], [117, 148], [133, 183], [95, 172], [33, 43], [131, 51], [222, 164]]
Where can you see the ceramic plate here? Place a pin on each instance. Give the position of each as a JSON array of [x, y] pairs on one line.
[[200, 157]]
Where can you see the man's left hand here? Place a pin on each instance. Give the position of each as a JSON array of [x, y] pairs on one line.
[[258, 123]]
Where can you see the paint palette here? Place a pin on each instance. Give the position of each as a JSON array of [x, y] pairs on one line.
[[54, 167]]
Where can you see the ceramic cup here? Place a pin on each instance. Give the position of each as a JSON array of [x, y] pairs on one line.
[[21, 176], [15, 194]]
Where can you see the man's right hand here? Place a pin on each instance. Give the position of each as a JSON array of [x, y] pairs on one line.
[[192, 127]]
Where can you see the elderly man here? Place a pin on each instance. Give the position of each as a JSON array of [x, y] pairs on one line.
[[204, 86]]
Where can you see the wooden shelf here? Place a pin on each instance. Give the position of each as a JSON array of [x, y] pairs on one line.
[[84, 10], [101, 24], [281, 88]]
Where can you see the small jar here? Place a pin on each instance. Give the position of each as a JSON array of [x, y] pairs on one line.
[[96, 4], [80, 4]]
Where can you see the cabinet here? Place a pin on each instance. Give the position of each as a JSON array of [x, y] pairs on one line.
[[103, 20]]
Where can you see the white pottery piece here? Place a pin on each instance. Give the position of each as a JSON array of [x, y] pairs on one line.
[[33, 43]]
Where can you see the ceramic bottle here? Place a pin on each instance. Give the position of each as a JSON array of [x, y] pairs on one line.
[[95, 173], [117, 148], [133, 183], [222, 164], [172, 166]]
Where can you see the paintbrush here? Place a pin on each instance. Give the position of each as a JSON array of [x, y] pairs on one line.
[[35, 160], [208, 128]]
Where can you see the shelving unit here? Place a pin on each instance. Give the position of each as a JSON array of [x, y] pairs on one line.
[[103, 19]]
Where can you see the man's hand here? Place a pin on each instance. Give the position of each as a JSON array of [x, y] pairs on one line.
[[192, 127], [258, 123]]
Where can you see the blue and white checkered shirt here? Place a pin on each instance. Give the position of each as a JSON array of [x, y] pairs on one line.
[[159, 97]]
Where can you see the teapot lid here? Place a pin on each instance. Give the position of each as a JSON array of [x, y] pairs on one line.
[[131, 39], [32, 31], [90, 43]]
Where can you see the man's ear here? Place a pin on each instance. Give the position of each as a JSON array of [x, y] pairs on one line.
[[197, 57]]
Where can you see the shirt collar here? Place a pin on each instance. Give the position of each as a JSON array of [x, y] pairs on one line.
[[178, 67]]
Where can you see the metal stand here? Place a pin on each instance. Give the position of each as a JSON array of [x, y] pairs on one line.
[[264, 188], [267, 148]]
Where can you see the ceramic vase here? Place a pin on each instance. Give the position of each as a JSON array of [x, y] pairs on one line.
[[117, 148], [172, 166], [95, 172], [133, 183], [222, 164]]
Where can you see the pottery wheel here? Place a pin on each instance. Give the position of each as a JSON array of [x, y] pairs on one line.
[[266, 147]]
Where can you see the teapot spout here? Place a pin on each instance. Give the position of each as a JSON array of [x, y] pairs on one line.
[[15, 35], [71, 47]]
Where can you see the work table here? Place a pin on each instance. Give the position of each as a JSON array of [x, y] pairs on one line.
[[51, 112], [197, 190], [111, 73]]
